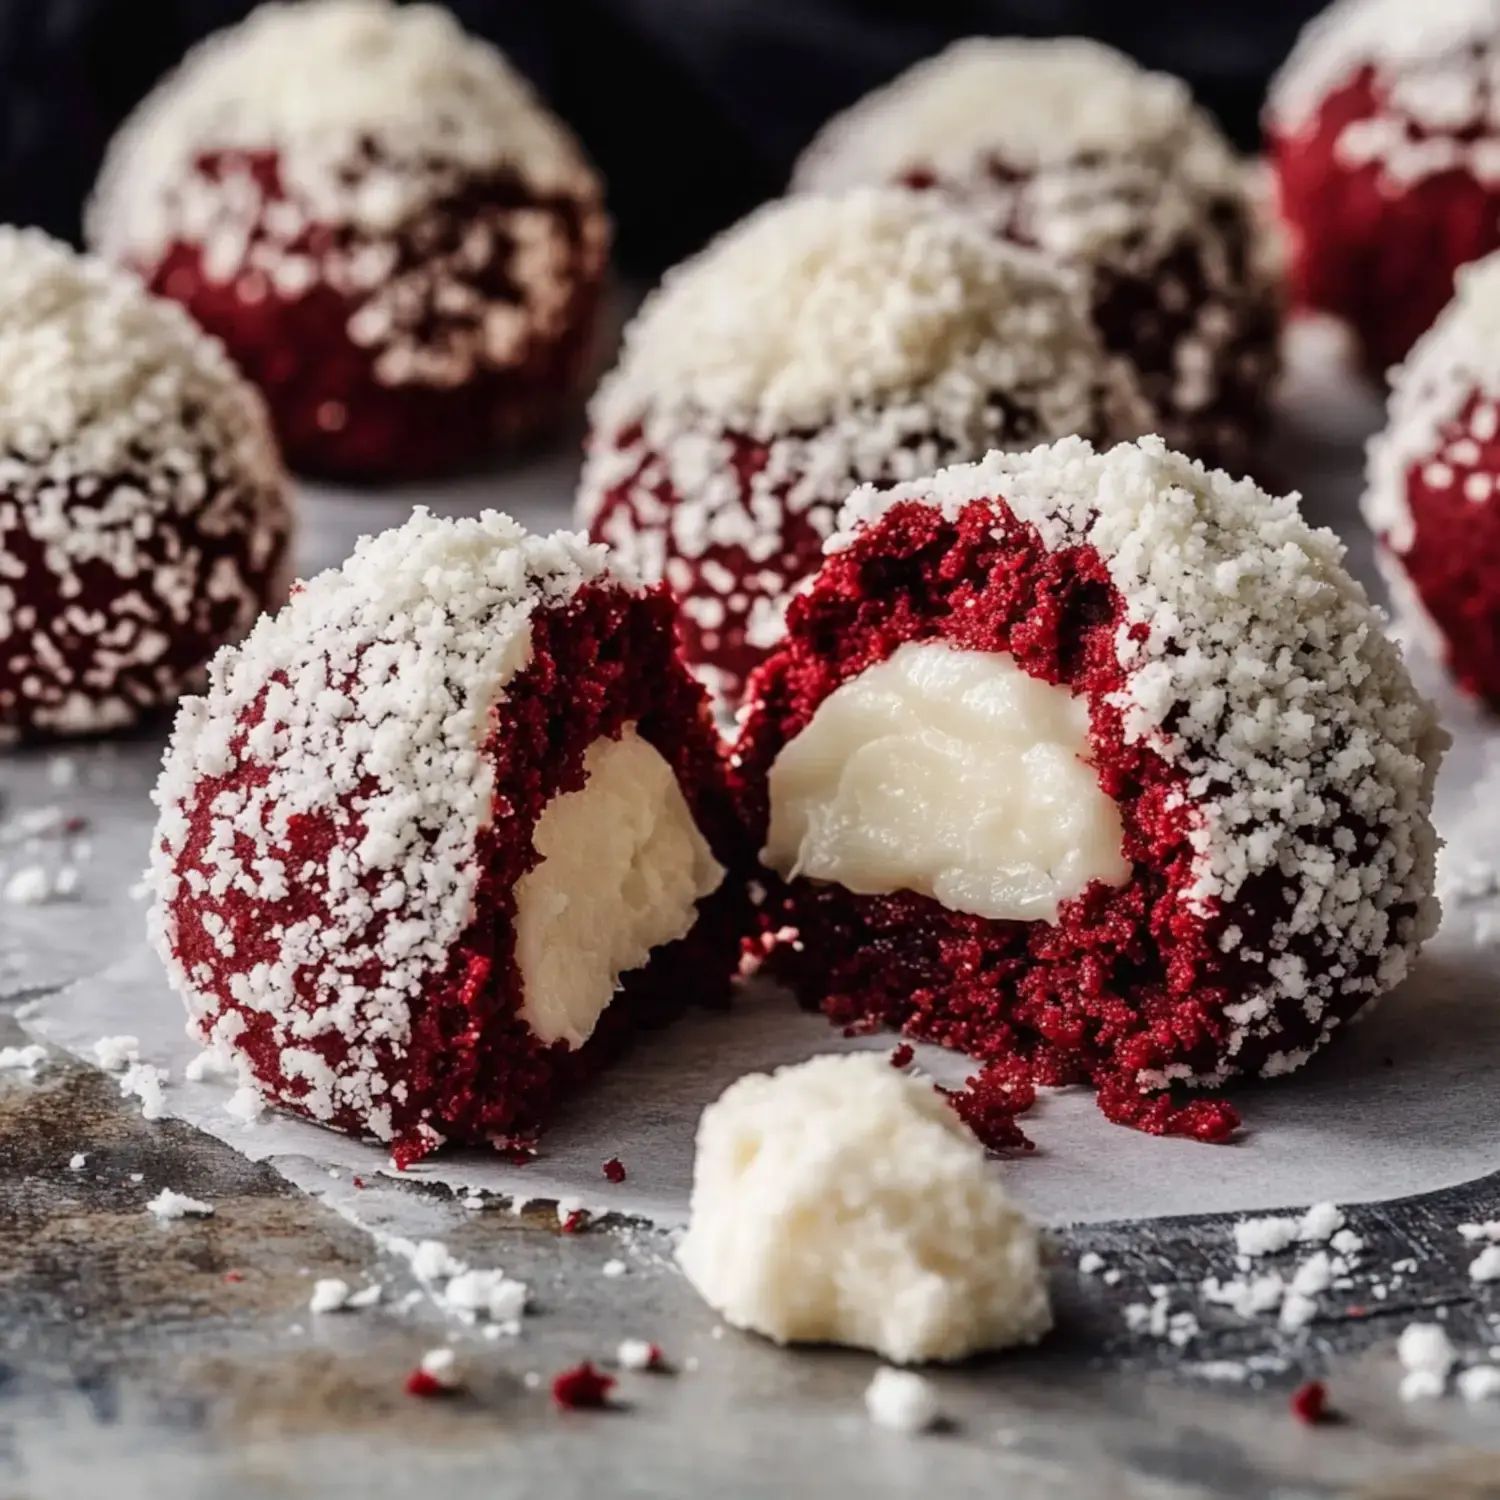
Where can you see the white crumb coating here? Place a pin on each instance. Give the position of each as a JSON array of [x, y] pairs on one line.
[[867, 336], [1106, 168], [379, 117], [366, 701], [1437, 104], [1456, 363], [143, 505], [843, 1201], [1256, 665]]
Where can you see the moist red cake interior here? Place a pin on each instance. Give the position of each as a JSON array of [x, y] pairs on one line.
[[333, 416], [1128, 979], [473, 1070]]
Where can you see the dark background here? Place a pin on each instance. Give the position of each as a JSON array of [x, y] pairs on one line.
[[694, 109]]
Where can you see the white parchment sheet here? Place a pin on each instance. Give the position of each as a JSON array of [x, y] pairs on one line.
[[1404, 1103]]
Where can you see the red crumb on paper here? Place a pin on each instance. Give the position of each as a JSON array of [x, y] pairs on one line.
[[582, 1388], [902, 1056], [575, 1221], [989, 1102], [426, 1385], [1310, 1403], [614, 1169], [234, 1277]]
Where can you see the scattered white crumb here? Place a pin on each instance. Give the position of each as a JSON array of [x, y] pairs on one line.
[[1427, 1355], [1346, 1242], [1220, 1369], [29, 886], [246, 1105], [1267, 1236], [17, 1059], [146, 1082], [1297, 1311], [137, 1176], [116, 1053], [78, 1161], [1421, 1385], [169, 1205], [1489, 1231], [474, 1200], [531, 1380], [902, 1400], [614, 1268], [442, 1366], [61, 771], [1482, 1383], [1113, 1277], [691, 1363], [431, 1260], [209, 1063], [1486, 1265], [567, 1207], [1314, 1275], [366, 1296], [492, 1294], [1090, 1263], [636, 1354], [329, 1295], [1320, 1223]]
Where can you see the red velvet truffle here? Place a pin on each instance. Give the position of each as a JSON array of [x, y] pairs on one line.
[[1433, 497], [1270, 765], [143, 508], [822, 343], [1113, 173], [393, 237], [442, 834], [1384, 130]]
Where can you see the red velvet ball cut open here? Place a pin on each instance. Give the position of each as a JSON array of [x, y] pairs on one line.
[[1174, 662], [443, 834]]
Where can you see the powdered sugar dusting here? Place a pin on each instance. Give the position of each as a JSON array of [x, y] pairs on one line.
[[1257, 665], [370, 695], [142, 503]]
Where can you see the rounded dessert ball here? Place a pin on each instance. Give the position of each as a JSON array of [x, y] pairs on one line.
[[821, 344], [1098, 765], [143, 509], [1433, 492], [442, 833], [1112, 172], [374, 212], [1384, 129], [841, 1201]]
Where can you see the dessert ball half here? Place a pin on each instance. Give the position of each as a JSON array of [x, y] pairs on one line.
[[821, 344], [1101, 762], [394, 238], [1113, 172], [442, 833], [1433, 497], [143, 507], [1384, 127]]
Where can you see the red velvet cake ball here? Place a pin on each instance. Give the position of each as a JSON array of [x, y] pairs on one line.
[[1433, 497], [373, 211], [143, 508], [1384, 128], [1110, 171], [1096, 767], [821, 344], [444, 832]]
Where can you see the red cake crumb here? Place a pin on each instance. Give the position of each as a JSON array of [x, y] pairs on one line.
[[1137, 190], [989, 1102], [392, 236], [1381, 129], [339, 871], [234, 1277], [901, 1056], [144, 515], [821, 343], [614, 1170], [1198, 967], [1433, 497], [1310, 1403], [575, 1222], [420, 1383], [583, 1388]]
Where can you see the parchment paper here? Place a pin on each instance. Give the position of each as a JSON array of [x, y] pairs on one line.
[[1404, 1103]]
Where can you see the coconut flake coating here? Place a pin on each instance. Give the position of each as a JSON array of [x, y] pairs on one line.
[[143, 509], [394, 238], [1384, 130], [1113, 172], [1433, 478], [347, 814], [820, 344], [1272, 764]]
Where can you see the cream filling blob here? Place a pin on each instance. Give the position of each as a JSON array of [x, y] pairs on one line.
[[623, 868], [953, 774]]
